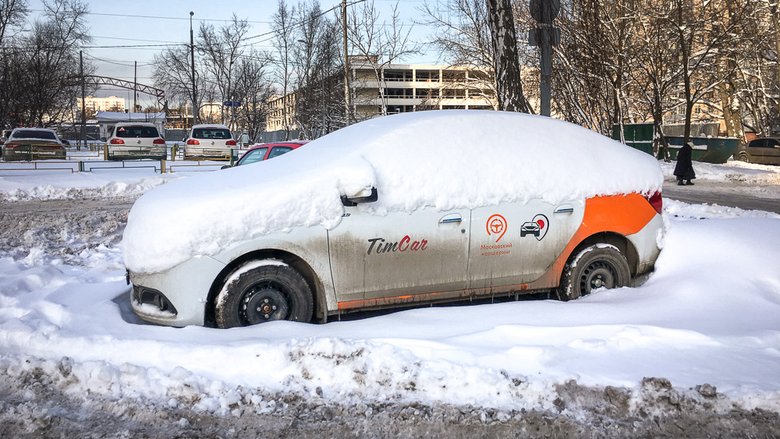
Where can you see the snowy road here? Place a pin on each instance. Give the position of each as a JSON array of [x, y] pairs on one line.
[[724, 194]]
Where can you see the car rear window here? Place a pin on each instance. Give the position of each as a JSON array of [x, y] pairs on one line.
[[211, 133], [34, 134], [136, 131]]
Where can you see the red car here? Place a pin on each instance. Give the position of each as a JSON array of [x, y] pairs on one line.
[[265, 151]]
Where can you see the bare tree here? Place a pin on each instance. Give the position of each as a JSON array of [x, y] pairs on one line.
[[173, 73], [44, 70], [317, 60], [379, 44], [12, 15], [463, 37], [255, 89], [704, 33], [755, 88], [221, 49], [284, 41], [503, 39]]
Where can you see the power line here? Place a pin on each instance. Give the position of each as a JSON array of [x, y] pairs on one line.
[[136, 39], [160, 17]]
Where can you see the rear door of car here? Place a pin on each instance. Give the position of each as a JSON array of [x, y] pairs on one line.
[[771, 152], [516, 243], [279, 150], [376, 257]]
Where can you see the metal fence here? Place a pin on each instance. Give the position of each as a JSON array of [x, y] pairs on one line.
[[94, 161]]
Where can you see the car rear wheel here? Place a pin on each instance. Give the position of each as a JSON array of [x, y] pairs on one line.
[[594, 267], [262, 291], [743, 156]]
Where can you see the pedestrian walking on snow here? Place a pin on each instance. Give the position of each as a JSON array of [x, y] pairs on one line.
[[683, 170]]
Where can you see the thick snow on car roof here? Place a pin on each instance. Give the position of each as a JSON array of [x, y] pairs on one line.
[[443, 159]]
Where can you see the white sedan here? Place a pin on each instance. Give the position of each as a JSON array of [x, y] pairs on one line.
[[407, 209]]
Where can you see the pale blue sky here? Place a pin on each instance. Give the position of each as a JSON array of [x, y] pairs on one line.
[[152, 22]]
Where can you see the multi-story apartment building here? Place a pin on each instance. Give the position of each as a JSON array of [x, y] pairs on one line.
[[94, 104], [400, 88]]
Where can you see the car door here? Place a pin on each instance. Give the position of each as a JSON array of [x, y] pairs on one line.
[[771, 152], [516, 243], [278, 150], [376, 257]]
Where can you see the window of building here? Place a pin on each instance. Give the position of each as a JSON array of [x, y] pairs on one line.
[[427, 75]]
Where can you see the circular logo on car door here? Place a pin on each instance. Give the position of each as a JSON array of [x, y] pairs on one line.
[[496, 226]]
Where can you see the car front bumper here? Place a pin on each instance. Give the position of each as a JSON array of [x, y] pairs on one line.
[[175, 297]]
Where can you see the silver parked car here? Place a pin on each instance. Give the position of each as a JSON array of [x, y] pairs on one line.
[[764, 151]]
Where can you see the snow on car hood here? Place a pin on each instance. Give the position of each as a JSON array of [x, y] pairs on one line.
[[443, 159]]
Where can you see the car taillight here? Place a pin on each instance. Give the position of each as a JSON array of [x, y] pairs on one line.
[[656, 201], [192, 142], [230, 143], [11, 145], [117, 142], [159, 142]]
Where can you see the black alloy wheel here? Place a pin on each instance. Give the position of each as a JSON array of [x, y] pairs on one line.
[[265, 293], [594, 267]]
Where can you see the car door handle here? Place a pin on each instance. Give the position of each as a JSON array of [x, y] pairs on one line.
[[449, 219], [564, 209]]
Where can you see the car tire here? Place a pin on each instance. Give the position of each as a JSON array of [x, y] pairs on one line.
[[743, 156], [262, 291], [596, 266]]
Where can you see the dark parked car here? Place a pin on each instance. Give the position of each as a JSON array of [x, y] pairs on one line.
[[764, 150], [33, 144]]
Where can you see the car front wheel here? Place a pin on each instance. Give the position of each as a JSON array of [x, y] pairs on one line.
[[594, 267], [262, 291]]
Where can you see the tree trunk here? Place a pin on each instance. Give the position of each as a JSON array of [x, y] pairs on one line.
[[504, 41]]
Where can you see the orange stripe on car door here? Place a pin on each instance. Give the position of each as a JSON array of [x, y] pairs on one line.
[[620, 214]]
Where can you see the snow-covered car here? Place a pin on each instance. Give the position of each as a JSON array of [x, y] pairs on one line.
[[136, 140], [209, 142], [397, 211], [764, 150], [33, 144]]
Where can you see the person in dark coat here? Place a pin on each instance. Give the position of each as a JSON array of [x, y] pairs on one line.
[[683, 170]]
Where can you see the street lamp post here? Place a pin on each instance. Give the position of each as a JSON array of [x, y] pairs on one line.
[[192, 72]]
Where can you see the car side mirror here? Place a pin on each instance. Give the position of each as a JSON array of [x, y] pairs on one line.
[[367, 195]]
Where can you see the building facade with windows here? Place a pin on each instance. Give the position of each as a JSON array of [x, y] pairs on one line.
[[94, 104], [400, 88]]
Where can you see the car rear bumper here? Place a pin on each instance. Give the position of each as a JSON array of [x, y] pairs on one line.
[[647, 243]]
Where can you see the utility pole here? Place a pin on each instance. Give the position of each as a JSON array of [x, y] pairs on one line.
[[135, 84], [192, 72], [83, 103], [347, 105], [545, 35]]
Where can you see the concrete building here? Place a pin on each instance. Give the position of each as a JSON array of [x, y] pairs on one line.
[[400, 88], [94, 104]]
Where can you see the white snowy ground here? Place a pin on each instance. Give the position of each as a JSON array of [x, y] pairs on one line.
[[709, 314]]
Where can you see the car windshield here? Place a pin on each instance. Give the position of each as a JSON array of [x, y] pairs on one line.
[[211, 133], [34, 134], [136, 131], [255, 155]]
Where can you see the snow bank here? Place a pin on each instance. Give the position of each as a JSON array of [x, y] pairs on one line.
[[707, 315], [443, 159]]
